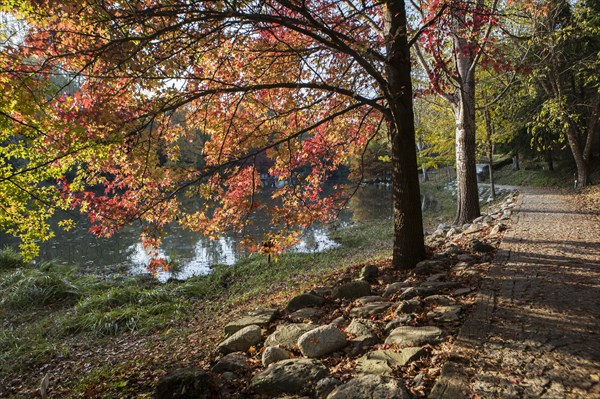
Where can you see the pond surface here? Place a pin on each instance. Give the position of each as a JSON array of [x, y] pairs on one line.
[[194, 253]]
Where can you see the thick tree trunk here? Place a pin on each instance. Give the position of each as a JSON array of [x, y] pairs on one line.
[[464, 115], [409, 247]]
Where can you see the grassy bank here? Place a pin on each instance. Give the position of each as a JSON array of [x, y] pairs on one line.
[[53, 313]]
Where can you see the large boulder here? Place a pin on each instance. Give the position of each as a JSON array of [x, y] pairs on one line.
[[185, 383], [352, 290], [321, 341], [307, 300], [292, 376], [241, 341], [414, 336], [259, 317], [286, 335], [372, 387]]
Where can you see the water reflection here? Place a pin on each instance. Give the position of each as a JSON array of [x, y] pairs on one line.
[[192, 253]]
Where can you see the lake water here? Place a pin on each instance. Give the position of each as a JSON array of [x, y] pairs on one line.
[[194, 253]]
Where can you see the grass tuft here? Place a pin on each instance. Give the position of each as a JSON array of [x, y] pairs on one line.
[[31, 287], [11, 259]]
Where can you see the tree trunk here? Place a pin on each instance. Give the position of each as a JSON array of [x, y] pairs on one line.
[[582, 164], [515, 163], [464, 115], [420, 147], [409, 247], [489, 135]]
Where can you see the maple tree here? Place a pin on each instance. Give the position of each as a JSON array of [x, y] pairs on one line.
[[305, 83], [449, 51]]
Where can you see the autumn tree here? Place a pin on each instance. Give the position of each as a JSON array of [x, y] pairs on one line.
[[307, 83], [450, 51]]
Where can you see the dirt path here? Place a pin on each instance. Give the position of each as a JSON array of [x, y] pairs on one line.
[[535, 331]]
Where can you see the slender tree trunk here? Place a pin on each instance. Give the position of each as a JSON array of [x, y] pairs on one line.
[[420, 147], [409, 247], [489, 135], [464, 115]]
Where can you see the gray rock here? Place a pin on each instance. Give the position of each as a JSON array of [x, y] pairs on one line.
[[235, 362], [479, 219], [273, 354], [369, 273], [372, 387], [352, 290], [446, 313], [311, 314], [321, 341], [488, 219], [364, 337], [397, 322], [479, 246], [241, 341], [474, 228], [359, 328], [292, 376], [439, 300], [373, 366], [506, 214], [325, 386], [409, 306], [462, 291], [368, 299], [184, 383], [394, 288], [286, 335], [307, 300], [383, 361], [428, 267], [414, 336], [370, 309], [259, 317], [416, 291]]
